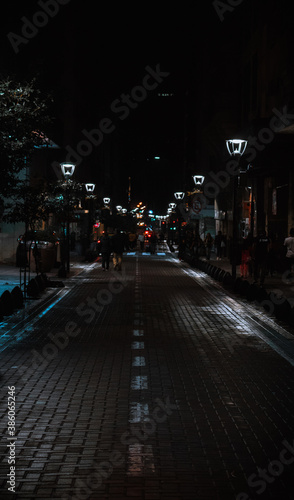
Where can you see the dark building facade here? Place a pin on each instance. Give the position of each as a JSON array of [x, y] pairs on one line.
[[251, 84]]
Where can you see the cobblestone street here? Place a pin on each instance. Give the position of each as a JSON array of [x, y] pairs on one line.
[[153, 383]]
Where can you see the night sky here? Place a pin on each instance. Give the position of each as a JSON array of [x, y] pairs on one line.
[[88, 55]]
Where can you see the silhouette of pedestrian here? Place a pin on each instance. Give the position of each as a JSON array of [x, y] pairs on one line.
[[105, 250], [118, 243], [208, 244], [260, 256]]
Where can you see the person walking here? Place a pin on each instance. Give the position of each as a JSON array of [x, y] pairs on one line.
[[141, 240], [153, 242], [260, 256], [208, 244], [118, 243], [132, 240], [219, 245], [246, 265], [105, 245], [289, 244]]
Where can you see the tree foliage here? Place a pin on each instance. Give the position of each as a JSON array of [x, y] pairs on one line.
[[23, 120]]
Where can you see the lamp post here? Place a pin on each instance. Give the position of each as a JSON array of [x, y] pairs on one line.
[[198, 180], [236, 148], [90, 188], [198, 201], [90, 197], [67, 170], [179, 195]]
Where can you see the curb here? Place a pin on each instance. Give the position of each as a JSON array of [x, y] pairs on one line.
[[272, 302]]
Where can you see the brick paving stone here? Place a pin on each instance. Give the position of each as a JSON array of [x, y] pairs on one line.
[[165, 388]]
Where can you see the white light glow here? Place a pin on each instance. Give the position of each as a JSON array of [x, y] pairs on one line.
[[198, 180], [236, 146], [67, 169], [90, 188]]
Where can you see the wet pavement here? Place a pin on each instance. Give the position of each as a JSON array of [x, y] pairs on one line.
[[152, 383]]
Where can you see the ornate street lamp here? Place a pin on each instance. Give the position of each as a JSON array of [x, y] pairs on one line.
[[179, 195], [198, 180], [90, 188], [236, 148], [67, 170]]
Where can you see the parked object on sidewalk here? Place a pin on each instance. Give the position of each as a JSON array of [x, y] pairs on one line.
[[33, 289], [7, 303], [282, 307], [289, 244], [17, 297]]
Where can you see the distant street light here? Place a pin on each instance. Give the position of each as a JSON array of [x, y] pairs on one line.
[[198, 180], [236, 148], [106, 201], [172, 205], [90, 188], [67, 170], [179, 195]]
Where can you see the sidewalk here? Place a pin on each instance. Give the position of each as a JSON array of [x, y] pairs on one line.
[[276, 283], [32, 306], [10, 275]]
